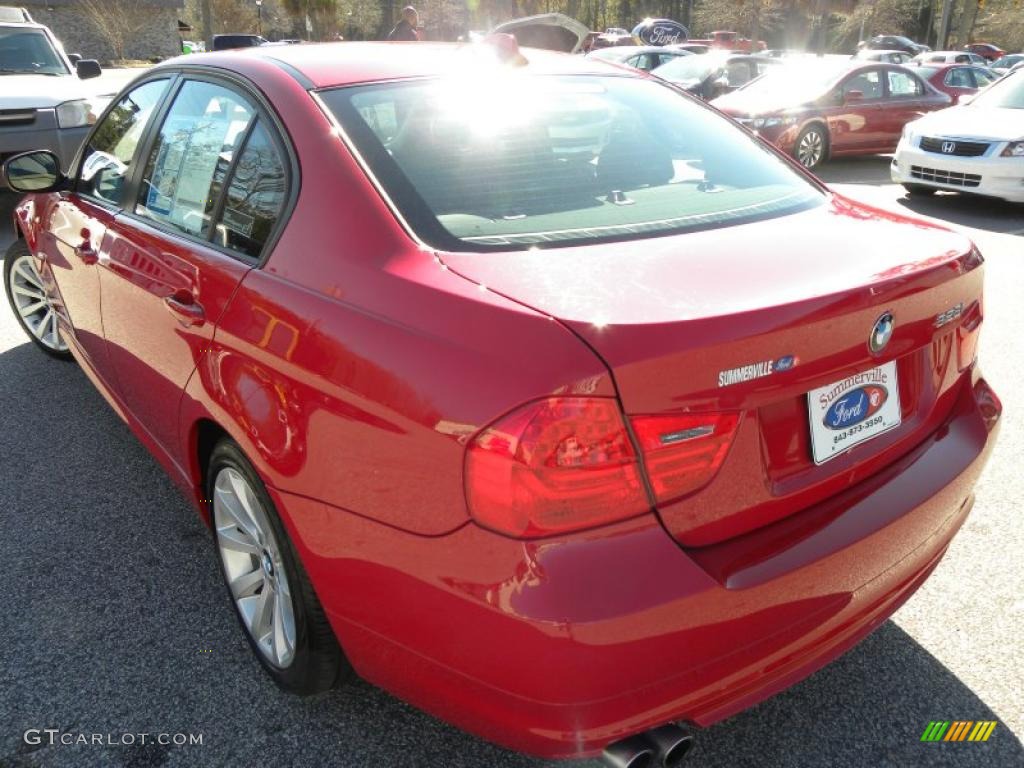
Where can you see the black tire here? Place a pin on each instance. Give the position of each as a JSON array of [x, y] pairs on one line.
[[811, 148], [318, 663], [919, 190], [18, 250]]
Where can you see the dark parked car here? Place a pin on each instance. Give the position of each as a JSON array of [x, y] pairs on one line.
[[714, 74], [896, 43], [645, 57], [888, 57], [957, 80], [817, 112], [226, 42]]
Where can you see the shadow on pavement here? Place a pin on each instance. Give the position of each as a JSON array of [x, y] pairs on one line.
[[116, 620], [946, 207]]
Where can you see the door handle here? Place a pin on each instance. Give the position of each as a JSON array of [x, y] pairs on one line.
[[84, 250], [188, 312]]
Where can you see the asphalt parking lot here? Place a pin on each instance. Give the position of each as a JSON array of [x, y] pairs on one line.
[[115, 620]]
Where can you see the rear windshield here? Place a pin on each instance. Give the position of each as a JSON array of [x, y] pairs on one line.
[[500, 163]]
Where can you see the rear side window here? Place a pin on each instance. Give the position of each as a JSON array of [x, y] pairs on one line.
[[959, 78], [539, 160], [903, 85], [255, 196], [191, 156], [107, 159]]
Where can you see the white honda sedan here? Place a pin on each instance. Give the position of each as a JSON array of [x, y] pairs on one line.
[[976, 147]]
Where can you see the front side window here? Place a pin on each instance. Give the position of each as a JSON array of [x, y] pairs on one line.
[[868, 83], [191, 156], [541, 160], [108, 156], [903, 85], [28, 52]]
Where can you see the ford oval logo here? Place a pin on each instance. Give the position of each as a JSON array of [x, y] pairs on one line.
[[661, 32], [881, 333], [784, 363], [855, 406]]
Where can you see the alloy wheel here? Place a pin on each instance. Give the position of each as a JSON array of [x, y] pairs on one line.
[[253, 565], [33, 305], [810, 149]]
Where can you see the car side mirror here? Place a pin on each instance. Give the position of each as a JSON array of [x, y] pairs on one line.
[[853, 97], [37, 171], [88, 69], [74, 58]]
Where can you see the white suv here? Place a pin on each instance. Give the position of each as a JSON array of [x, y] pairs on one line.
[[42, 102]]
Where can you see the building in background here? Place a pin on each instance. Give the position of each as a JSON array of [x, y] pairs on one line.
[[112, 29]]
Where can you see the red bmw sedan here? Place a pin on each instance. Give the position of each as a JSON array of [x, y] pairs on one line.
[[527, 388]]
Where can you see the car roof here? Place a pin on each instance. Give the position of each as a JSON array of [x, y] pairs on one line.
[[325, 65]]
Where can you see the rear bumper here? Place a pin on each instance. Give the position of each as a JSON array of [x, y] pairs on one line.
[[989, 175], [559, 647]]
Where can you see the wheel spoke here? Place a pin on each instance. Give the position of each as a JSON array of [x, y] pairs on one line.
[[54, 331], [39, 330], [282, 647], [31, 309], [245, 498], [247, 584], [237, 540], [28, 274], [33, 292], [262, 617], [233, 507]]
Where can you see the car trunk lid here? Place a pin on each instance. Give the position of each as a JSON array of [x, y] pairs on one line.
[[748, 320]]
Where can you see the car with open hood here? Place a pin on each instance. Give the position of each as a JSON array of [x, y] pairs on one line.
[[547, 31], [42, 101], [564, 439]]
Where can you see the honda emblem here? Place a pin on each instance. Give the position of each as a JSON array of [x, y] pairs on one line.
[[948, 147]]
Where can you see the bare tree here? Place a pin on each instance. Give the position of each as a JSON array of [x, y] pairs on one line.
[[117, 22]]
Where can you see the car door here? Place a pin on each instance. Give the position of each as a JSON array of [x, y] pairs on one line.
[[904, 101], [202, 207], [77, 227], [856, 125]]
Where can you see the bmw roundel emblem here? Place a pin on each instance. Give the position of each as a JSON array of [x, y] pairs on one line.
[[881, 333]]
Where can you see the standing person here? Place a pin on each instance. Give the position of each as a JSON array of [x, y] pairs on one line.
[[405, 29]]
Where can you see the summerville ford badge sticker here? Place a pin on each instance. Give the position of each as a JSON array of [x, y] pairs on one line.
[[756, 370]]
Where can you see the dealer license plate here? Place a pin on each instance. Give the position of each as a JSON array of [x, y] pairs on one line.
[[848, 412]]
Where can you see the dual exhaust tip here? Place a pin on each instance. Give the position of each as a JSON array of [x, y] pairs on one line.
[[664, 747]]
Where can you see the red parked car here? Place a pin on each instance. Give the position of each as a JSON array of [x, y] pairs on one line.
[[531, 390], [986, 50], [957, 80], [821, 111]]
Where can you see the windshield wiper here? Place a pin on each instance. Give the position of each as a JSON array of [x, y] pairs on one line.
[[28, 72]]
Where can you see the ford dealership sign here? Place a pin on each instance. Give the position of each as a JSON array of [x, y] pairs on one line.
[[661, 32]]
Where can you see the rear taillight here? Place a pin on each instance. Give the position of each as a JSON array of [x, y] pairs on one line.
[[556, 465], [683, 452]]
